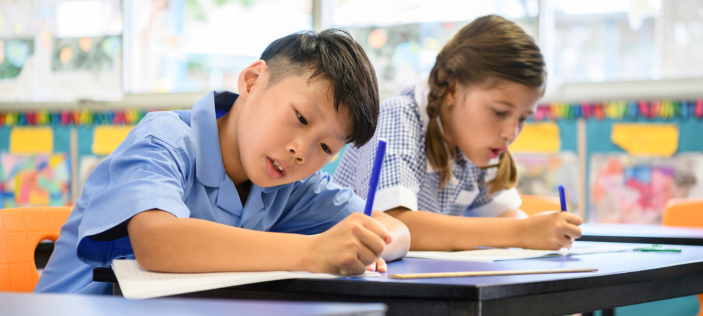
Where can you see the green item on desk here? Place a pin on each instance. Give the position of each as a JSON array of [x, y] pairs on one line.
[[657, 248]]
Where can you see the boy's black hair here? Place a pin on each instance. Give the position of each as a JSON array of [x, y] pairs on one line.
[[335, 56]]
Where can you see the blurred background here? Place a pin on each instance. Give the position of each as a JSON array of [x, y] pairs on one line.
[[620, 125]]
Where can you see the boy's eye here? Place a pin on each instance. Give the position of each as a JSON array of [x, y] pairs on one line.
[[499, 113], [326, 149], [302, 119]]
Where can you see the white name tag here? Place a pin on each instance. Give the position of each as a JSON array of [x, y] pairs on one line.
[[466, 197]]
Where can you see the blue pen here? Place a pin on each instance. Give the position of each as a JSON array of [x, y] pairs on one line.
[[375, 175], [562, 200]]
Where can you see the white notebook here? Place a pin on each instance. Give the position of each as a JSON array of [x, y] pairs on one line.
[[139, 283], [500, 254]]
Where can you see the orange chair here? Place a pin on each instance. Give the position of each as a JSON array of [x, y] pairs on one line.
[[533, 204], [685, 213], [21, 230]]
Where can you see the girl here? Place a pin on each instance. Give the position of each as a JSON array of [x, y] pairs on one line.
[[448, 141]]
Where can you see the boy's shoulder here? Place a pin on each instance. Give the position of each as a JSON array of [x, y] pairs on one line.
[[168, 126]]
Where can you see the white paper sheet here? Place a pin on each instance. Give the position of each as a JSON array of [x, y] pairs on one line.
[[139, 283], [500, 254]]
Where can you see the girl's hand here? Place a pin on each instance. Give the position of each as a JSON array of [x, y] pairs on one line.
[[551, 230], [380, 266]]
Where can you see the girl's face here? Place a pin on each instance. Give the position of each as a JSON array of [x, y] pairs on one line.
[[484, 120]]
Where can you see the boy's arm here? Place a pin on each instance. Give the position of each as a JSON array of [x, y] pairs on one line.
[[163, 242], [431, 231], [400, 244]]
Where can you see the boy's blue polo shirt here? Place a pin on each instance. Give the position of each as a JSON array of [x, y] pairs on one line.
[[172, 161]]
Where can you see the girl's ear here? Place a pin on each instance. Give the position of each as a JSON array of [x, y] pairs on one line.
[[251, 77], [450, 96]]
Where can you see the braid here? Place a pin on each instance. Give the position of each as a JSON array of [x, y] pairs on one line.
[[506, 175], [435, 146]]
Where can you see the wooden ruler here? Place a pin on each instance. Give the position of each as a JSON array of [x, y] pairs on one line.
[[485, 273]]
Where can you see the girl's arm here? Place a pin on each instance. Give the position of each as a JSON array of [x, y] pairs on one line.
[[400, 244], [431, 231], [513, 214]]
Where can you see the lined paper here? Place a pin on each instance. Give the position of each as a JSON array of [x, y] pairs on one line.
[[501, 254], [139, 283]]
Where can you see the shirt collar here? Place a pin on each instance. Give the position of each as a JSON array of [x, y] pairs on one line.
[[203, 122], [210, 168]]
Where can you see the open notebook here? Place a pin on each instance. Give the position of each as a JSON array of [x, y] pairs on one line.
[[139, 283], [500, 254]]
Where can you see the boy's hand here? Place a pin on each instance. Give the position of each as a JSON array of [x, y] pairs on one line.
[[550, 230], [349, 247]]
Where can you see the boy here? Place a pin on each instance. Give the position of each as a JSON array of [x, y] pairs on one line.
[[234, 184]]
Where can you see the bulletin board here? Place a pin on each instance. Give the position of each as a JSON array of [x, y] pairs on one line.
[[635, 156]]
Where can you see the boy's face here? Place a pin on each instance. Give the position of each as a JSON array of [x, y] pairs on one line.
[[288, 131]]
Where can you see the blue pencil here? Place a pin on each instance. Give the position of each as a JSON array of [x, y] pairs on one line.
[[375, 175], [562, 198]]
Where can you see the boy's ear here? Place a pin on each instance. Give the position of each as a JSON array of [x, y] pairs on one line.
[[252, 77]]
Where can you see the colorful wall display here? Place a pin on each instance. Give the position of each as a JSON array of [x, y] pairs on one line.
[[72, 118], [85, 167], [542, 174], [620, 110], [540, 137], [34, 180], [616, 110], [626, 189]]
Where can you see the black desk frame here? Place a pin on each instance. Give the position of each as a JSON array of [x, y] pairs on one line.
[[554, 297]]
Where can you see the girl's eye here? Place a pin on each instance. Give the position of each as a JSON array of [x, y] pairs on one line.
[[302, 119], [500, 114], [522, 119], [326, 149]]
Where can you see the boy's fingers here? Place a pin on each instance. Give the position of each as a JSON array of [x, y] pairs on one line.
[[357, 267], [366, 256], [375, 226], [372, 242]]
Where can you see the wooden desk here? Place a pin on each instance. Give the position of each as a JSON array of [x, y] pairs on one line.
[[646, 234], [21, 304], [623, 279]]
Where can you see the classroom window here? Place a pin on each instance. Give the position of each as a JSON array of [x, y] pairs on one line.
[[60, 51], [200, 45], [622, 40], [402, 38]]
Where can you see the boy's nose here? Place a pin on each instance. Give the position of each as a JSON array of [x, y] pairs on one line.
[[298, 157]]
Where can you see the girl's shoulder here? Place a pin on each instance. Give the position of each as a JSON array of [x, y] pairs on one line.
[[404, 104]]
